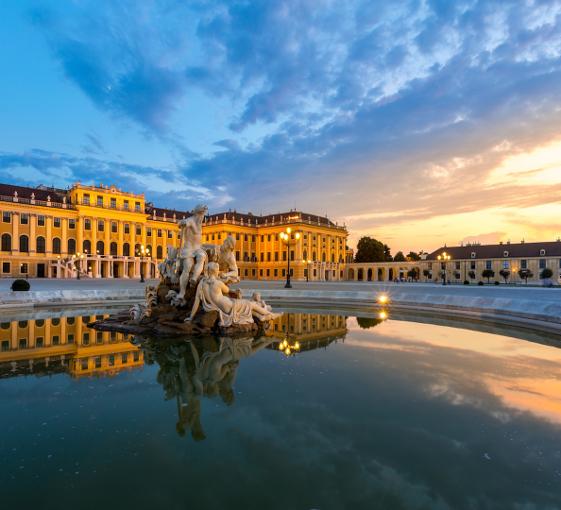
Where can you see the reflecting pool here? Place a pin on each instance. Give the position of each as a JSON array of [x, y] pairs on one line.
[[328, 412]]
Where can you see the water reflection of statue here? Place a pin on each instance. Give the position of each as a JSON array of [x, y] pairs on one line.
[[192, 257], [204, 367], [213, 294]]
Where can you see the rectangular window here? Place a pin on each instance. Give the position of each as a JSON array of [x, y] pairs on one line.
[[542, 263], [99, 337], [149, 231], [159, 232], [136, 356], [5, 345], [472, 265], [245, 237], [276, 256], [97, 361], [262, 256], [253, 272], [457, 265], [100, 201], [523, 264], [113, 203], [86, 199], [56, 222], [488, 264], [70, 338], [22, 344], [126, 205], [86, 338], [268, 272], [114, 227], [71, 223], [39, 342], [6, 267], [237, 255], [268, 256], [124, 358], [111, 360], [237, 237], [127, 228], [55, 340], [261, 272], [276, 272], [101, 226], [84, 363], [138, 230], [170, 234], [87, 224], [24, 219], [283, 273], [23, 268], [506, 264], [6, 217], [137, 206], [41, 221]]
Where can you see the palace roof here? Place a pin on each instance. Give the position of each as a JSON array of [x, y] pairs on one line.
[[500, 251]]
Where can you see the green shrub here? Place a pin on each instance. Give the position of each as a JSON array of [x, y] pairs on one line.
[[496, 283], [546, 273], [20, 285], [479, 282], [466, 282]]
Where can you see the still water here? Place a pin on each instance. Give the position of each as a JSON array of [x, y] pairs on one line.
[[331, 412]]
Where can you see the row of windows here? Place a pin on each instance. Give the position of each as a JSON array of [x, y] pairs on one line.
[[97, 363], [269, 237], [505, 264], [55, 340], [86, 200], [55, 321], [6, 245]]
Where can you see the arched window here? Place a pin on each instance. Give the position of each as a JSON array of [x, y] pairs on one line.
[[159, 252], [323, 257], [314, 256], [40, 244], [6, 242], [71, 246], [136, 250], [149, 251], [305, 255], [113, 249], [87, 246], [126, 249], [100, 248], [56, 245], [24, 243]]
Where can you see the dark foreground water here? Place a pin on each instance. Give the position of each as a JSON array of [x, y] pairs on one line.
[[346, 414]]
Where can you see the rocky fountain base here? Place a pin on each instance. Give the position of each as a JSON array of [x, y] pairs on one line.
[[160, 316]]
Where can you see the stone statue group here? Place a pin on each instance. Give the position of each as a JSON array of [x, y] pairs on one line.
[[206, 270]]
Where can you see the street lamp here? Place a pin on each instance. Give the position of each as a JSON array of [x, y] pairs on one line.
[[444, 258], [143, 252], [287, 239], [308, 263]]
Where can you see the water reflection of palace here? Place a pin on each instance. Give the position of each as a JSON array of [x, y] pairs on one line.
[[64, 345], [298, 332]]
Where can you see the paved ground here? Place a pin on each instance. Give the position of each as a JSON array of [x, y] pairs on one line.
[[511, 292]]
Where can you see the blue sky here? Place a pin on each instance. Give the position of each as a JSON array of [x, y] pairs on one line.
[[421, 123]]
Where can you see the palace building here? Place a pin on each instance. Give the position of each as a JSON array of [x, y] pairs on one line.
[[101, 232]]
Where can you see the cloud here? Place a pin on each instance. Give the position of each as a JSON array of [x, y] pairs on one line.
[[166, 187]]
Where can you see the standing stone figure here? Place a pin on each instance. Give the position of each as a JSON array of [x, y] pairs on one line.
[[227, 261], [191, 258]]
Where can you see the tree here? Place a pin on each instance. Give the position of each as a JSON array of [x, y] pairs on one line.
[[399, 257], [368, 322], [546, 274], [413, 273], [471, 274], [387, 253], [412, 256], [370, 250], [488, 273], [505, 273], [426, 274], [525, 274]]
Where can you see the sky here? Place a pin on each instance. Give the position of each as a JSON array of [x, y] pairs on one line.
[[420, 123]]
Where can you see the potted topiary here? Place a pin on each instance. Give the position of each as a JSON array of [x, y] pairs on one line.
[[546, 275], [20, 285]]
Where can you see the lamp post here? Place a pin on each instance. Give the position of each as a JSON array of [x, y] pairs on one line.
[[308, 263], [143, 252], [286, 237], [444, 258]]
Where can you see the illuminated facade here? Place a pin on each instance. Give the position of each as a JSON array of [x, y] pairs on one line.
[[98, 231], [64, 345]]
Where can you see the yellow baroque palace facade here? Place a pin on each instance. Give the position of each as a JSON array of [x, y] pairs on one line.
[[99, 232]]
